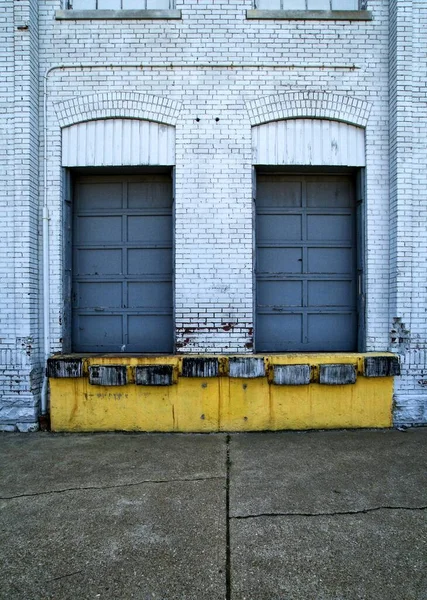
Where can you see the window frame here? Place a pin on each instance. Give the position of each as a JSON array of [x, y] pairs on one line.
[[68, 13], [69, 6], [361, 5], [359, 14]]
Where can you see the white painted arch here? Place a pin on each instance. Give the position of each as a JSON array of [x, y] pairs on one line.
[[117, 143], [317, 142]]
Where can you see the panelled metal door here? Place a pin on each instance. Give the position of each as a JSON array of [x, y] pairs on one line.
[[306, 263], [122, 264]]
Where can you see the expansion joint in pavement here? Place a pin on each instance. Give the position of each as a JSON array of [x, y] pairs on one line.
[[109, 487], [338, 513], [227, 521]]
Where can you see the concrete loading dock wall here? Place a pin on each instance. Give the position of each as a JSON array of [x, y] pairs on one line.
[[293, 391]]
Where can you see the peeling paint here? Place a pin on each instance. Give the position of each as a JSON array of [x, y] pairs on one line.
[[26, 345], [183, 343], [400, 336]]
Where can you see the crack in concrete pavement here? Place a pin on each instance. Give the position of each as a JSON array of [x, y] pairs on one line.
[[63, 576], [110, 487], [362, 511]]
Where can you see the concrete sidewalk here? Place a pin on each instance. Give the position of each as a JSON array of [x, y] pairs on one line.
[[262, 516]]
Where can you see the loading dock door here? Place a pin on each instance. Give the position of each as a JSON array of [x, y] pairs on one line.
[[122, 264], [306, 264]]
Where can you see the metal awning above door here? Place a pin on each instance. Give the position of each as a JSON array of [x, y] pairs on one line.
[[118, 142]]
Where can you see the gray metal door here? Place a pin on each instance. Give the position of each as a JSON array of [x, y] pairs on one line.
[[306, 263], [122, 264]]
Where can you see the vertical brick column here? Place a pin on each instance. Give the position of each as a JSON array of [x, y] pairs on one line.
[[401, 158], [408, 205], [214, 221], [20, 402]]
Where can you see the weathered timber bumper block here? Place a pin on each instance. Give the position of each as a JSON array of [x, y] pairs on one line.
[[246, 368], [58, 368], [154, 375], [291, 374], [381, 366], [341, 374], [200, 367], [236, 367], [108, 375]]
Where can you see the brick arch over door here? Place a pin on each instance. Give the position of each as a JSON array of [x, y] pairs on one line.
[[124, 105], [309, 105]]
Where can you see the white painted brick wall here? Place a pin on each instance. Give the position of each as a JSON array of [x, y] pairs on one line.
[[408, 120], [19, 316], [213, 63]]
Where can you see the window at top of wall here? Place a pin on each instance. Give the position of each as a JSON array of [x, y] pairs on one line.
[[120, 4], [310, 4]]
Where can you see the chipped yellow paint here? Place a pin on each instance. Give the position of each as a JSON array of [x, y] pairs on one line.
[[367, 403], [221, 403], [245, 404], [196, 404]]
